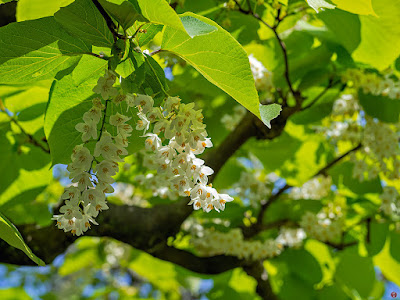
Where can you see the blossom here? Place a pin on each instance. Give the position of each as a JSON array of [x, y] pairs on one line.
[[88, 129]]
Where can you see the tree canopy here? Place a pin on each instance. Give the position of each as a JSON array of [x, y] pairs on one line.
[[185, 149]]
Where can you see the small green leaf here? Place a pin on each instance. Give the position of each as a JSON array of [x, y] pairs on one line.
[[269, 112], [195, 27], [318, 5], [158, 12], [10, 234]]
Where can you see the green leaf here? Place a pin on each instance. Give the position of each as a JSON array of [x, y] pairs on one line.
[[159, 12], [155, 76], [377, 235], [318, 5], [195, 27], [375, 32], [395, 244], [359, 7], [389, 266], [36, 50], [35, 9], [83, 20], [123, 11], [269, 112], [10, 234], [342, 175], [24, 171], [219, 58], [381, 107], [67, 104], [357, 273], [87, 67], [130, 64], [150, 32]]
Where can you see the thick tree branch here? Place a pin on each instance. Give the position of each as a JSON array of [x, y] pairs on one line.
[[264, 288]]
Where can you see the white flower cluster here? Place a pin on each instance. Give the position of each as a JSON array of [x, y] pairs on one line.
[[262, 77], [346, 130], [291, 237], [92, 173], [255, 186], [231, 121], [390, 201], [372, 83], [214, 242], [347, 104], [323, 227], [317, 188], [177, 136], [380, 151]]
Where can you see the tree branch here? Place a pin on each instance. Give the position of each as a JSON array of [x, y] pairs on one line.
[[330, 84], [264, 288], [296, 94], [258, 226], [30, 137], [109, 21]]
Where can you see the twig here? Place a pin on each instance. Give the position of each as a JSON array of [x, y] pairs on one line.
[[30, 137], [109, 21], [322, 93], [258, 226], [155, 52], [296, 94]]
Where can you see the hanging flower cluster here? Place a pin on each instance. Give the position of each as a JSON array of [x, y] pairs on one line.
[[230, 121], [91, 172], [255, 186], [178, 135], [322, 226], [317, 188], [372, 83], [390, 202], [214, 242]]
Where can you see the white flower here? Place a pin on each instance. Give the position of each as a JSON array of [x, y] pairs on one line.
[[118, 119], [143, 123], [82, 158], [88, 128], [172, 103], [91, 195], [220, 201], [153, 142], [105, 147], [72, 193], [144, 102], [94, 115], [105, 171], [83, 180]]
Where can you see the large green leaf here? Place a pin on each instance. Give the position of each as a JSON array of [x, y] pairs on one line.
[[381, 107], [35, 9], [357, 273], [359, 7], [10, 234], [83, 20], [36, 50], [219, 58], [67, 104], [374, 41], [24, 170]]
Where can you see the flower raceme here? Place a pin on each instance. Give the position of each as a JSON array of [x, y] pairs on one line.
[[178, 135], [91, 173]]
